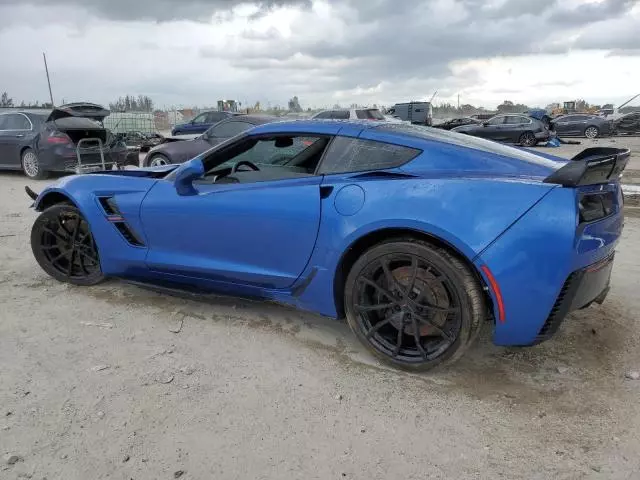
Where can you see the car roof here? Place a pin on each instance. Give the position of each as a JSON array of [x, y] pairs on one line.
[[390, 132], [254, 119]]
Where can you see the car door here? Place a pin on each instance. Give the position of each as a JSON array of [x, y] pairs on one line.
[[514, 127], [570, 125], [578, 124], [16, 131], [492, 128], [257, 230]]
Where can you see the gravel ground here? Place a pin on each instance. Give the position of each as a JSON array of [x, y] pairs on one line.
[[96, 384]]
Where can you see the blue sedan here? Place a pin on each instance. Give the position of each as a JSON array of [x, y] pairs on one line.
[[418, 237]]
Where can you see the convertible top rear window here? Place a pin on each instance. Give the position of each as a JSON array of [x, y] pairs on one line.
[[468, 141]]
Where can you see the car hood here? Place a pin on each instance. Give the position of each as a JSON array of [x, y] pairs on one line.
[[150, 172], [180, 151]]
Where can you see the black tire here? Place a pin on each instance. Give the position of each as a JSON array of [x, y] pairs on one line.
[[64, 247], [158, 158], [31, 165], [528, 139], [463, 315], [592, 132]]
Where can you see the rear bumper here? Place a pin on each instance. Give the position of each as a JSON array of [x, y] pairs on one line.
[[580, 290]]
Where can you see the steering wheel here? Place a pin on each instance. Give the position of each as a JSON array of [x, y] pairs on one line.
[[243, 163]]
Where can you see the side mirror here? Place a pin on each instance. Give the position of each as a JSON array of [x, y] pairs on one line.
[[186, 174], [484, 124]]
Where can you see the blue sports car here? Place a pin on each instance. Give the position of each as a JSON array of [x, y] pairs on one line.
[[417, 236]]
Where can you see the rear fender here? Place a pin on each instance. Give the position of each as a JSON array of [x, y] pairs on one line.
[[531, 261], [467, 214]]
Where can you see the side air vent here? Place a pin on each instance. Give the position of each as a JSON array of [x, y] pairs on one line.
[[109, 205], [129, 235], [559, 311]]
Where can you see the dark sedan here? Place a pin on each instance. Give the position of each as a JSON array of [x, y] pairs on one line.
[[179, 152], [581, 125], [628, 124], [519, 129], [201, 123], [457, 122], [39, 143]]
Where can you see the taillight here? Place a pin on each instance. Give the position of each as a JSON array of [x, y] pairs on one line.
[[596, 206], [58, 138]]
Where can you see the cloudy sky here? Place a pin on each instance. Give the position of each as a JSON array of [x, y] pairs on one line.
[[194, 52]]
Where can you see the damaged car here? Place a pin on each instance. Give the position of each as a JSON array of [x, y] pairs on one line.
[[419, 237], [519, 129], [70, 135], [180, 151]]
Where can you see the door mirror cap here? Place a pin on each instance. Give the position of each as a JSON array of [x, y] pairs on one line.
[[186, 174]]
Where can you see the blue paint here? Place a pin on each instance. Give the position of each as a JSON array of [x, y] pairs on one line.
[[266, 238]]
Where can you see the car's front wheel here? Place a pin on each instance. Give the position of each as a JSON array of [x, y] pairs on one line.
[[157, 160], [64, 247], [413, 304], [31, 165]]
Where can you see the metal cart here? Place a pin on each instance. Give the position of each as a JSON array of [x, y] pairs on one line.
[[91, 149]]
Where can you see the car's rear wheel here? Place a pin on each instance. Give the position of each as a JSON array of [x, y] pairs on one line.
[[31, 165], [412, 304], [157, 160], [591, 132], [528, 139], [64, 247]]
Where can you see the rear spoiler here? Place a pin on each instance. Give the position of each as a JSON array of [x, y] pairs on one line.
[[592, 166]]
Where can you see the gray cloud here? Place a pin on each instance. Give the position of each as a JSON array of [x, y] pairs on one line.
[[158, 10], [401, 46]]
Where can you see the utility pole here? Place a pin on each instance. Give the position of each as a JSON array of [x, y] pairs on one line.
[[458, 101], [46, 69]]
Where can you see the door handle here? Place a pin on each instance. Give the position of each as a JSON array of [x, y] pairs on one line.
[[19, 135]]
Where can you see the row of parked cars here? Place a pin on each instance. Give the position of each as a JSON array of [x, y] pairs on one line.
[[38, 144], [527, 130]]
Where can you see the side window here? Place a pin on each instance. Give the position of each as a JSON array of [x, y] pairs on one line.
[[496, 121], [230, 129], [215, 117], [340, 115], [356, 155], [514, 120], [3, 122], [323, 115], [16, 121], [277, 157], [202, 118]]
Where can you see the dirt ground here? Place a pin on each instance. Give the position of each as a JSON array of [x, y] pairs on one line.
[[94, 384]]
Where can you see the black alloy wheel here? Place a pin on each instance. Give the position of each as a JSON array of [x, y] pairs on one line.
[[412, 304], [64, 247]]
